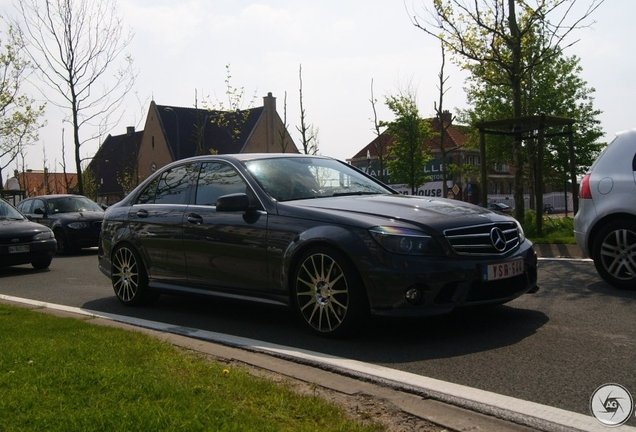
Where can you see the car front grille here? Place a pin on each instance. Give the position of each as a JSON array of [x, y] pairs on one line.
[[10, 241], [486, 239]]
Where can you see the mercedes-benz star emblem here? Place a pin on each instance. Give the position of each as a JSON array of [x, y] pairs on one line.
[[498, 239]]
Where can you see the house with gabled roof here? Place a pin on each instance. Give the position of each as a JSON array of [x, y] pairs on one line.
[[114, 166], [171, 133], [464, 186]]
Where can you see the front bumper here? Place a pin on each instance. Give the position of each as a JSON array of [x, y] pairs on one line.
[[37, 251], [446, 283]]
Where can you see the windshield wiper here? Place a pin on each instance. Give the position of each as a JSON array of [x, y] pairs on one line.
[[355, 193]]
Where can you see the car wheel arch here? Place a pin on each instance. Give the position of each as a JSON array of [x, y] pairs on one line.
[[297, 250], [598, 226]]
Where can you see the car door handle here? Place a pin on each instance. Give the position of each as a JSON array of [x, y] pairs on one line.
[[194, 218], [142, 213]]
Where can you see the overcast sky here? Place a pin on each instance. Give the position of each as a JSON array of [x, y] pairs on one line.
[[182, 47]]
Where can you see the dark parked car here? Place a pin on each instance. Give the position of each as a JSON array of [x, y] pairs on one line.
[[22, 241], [312, 233], [75, 220], [500, 207]]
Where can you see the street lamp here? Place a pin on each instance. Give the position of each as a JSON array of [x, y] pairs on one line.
[[176, 117]]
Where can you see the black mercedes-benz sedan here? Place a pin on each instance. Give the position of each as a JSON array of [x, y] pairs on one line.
[[312, 233]]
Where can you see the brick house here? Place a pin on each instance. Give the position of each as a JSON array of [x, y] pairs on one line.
[[463, 185], [41, 182]]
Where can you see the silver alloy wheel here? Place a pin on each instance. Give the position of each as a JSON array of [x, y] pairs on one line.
[[618, 254], [322, 292], [126, 275]]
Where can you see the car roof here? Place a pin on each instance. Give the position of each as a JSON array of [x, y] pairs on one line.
[[253, 156], [55, 196]]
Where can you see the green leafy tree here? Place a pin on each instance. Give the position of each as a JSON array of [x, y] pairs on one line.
[[490, 33], [407, 157], [19, 115], [553, 88], [90, 185]]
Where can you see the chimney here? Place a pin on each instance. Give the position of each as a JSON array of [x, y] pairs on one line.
[[130, 130], [446, 117]]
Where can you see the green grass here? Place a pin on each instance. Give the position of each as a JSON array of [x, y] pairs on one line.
[[556, 230], [64, 374]]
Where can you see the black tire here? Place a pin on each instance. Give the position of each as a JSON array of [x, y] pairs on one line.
[[129, 277], [614, 254], [328, 293], [42, 263], [62, 242]]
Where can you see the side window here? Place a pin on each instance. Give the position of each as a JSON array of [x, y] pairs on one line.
[[148, 195], [38, 204], [25, 206], [215, 180], [170, 188]]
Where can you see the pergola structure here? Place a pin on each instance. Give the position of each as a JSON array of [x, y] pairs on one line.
[[526, 128]]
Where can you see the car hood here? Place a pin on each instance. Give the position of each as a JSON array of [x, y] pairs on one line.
[[19, 228], [432, 213]]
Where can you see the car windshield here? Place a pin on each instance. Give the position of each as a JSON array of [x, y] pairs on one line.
[[295, 178], [72, 204], [9, 213]]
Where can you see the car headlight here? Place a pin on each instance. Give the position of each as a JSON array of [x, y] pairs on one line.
[[45, 235], [522, 235], [78, 225], [405, 241]]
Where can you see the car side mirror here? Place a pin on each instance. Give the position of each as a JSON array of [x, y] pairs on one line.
[[233, 202], [39, 211]]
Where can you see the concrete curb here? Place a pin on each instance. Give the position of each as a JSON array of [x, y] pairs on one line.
[[557, 251]]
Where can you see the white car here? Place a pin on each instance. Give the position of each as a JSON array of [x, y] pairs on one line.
[[605, 224]]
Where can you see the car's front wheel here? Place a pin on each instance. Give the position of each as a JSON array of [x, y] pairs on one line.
[[129, 278], [63, 246], [614, 254], [41, 263], [328, 293]]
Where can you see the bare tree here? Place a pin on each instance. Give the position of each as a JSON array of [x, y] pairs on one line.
[[282, 133], [308, 133], [75, 45], [228, 116], [445, 122], [489, 32], [381, 140]]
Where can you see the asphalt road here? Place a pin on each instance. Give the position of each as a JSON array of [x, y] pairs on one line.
[[554, 347]]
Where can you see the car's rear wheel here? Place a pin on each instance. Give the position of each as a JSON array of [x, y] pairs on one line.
[[614, 254], [328, 293], [129, 277]]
